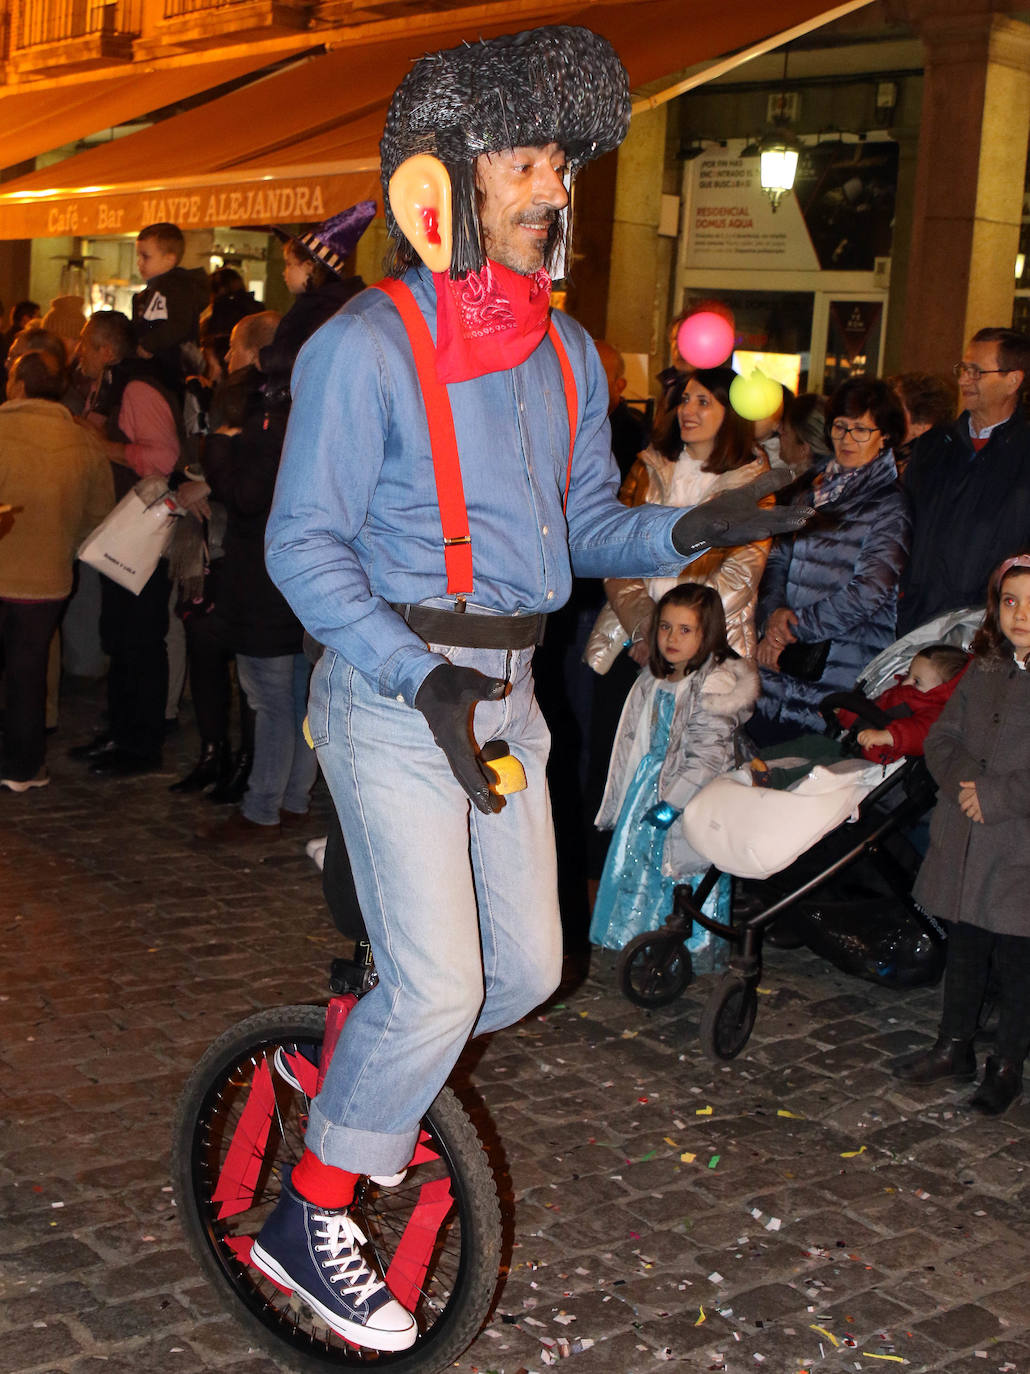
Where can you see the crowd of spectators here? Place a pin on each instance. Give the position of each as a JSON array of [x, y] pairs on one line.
[[192, 390], [913, 507]]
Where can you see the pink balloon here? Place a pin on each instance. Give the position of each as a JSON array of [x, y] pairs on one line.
[[705, 339]]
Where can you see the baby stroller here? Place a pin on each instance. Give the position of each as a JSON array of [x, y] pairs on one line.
[[832, 854]]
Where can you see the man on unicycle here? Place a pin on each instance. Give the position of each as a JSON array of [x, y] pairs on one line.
[[447, 465]]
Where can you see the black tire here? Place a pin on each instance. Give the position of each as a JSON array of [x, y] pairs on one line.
[[654, 969], [455, 1294], [729, 1017]]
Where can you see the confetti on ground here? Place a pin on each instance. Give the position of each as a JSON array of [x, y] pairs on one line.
[[823, 1332], [922, 1194], [702, 1111], [700, 1316], [669, 1141], [852, 1154], [687, 1157], [714, 1161], [794, 1116], [773, 1224], [715, 1277], [897, 1359]]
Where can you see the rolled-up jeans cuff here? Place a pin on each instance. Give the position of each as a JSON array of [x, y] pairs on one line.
[[360, 1152]]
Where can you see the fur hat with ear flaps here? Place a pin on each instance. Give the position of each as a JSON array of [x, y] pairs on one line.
[[333, 241], [558, 84]]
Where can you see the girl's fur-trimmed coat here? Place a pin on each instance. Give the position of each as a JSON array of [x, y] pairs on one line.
[[710, 704]]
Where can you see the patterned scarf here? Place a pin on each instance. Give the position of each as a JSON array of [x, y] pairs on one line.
[[490, 321], [832, 482]]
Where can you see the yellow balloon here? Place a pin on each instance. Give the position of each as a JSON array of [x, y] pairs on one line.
[[755, 397]]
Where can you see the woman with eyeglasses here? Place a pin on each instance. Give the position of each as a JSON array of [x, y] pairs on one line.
[[828, 599]]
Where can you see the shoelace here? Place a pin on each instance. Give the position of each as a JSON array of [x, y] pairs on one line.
[[342, 1238]]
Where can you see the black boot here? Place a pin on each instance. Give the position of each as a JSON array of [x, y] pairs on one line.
[[231, 789], [945, 1059], [1002, 1084], [210, 768]]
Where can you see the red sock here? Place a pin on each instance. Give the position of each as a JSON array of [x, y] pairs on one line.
[[323, 1184]]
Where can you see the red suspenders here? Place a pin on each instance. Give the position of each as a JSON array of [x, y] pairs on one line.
[[450, 493]]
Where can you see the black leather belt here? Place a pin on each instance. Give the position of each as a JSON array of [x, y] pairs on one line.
[[466, 630]]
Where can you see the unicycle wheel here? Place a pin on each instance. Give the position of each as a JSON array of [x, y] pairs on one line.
[[654, 969], [729, 1017], [435, 1237]]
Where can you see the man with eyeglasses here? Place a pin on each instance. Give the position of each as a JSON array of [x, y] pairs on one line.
[[969, 483]]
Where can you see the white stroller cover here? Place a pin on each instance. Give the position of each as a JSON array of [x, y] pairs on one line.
[[754, 832]]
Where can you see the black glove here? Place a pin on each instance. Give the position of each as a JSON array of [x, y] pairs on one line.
[[447, 699], [735, 517]]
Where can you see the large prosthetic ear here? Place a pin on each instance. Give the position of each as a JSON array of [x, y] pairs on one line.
[[420, 198]]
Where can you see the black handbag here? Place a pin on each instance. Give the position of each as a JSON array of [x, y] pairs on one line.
[[806, 662]]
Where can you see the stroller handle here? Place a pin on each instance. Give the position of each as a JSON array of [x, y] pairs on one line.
[[858, 704]]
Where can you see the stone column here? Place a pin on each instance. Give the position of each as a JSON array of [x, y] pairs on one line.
[[15, 258], [907, 139], [969, 180], [636, 278]]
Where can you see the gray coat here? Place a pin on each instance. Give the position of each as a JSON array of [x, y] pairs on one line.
[[980, 874], [710, 704]]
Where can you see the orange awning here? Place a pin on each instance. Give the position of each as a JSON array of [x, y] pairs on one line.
[[35, 120], [302, 143]]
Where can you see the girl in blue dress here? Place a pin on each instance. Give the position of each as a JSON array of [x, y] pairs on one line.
[[675, 735]]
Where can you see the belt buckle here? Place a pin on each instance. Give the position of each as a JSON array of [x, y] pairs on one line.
[[460, 605]]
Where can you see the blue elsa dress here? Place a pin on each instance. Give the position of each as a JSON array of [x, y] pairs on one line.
[[633, 895]]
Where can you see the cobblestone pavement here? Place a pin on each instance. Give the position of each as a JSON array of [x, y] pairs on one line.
[[794, 1210]]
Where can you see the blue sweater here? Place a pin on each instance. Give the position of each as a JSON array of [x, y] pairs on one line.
[[840, 577]]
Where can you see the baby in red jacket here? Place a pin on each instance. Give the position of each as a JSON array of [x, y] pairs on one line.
[[913, 705]]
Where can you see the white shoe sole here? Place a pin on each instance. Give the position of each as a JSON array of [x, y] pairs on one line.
[[14, 786], [372, 1337], [284, 1071]]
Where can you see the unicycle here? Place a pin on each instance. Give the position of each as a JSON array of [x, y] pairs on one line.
[[435, 1236]]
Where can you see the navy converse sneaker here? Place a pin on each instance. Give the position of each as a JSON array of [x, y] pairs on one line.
[[316, 1254]]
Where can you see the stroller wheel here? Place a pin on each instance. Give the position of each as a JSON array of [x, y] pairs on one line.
[[729, 1017], [653, 969]]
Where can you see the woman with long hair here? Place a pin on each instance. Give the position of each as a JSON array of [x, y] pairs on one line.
[[700, 448]]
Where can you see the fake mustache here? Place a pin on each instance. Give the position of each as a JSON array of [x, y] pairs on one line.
[[547, 215]]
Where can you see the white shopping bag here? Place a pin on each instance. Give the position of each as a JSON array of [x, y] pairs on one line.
[[128, 543]]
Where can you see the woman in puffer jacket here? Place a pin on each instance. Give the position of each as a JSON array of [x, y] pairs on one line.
[[834, 586], [703, 448]]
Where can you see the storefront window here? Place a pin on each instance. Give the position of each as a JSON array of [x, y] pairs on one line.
[[852, 340], [769, 322]]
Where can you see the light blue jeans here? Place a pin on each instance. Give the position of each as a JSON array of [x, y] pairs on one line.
[[461, 907], [284, 769]]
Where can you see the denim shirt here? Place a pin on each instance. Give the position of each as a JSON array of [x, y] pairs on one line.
[[355, 522]]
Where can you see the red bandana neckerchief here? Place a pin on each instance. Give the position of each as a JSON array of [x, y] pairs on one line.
[[489, 321]]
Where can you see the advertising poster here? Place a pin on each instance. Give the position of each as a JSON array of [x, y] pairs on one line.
[[838, 218]]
